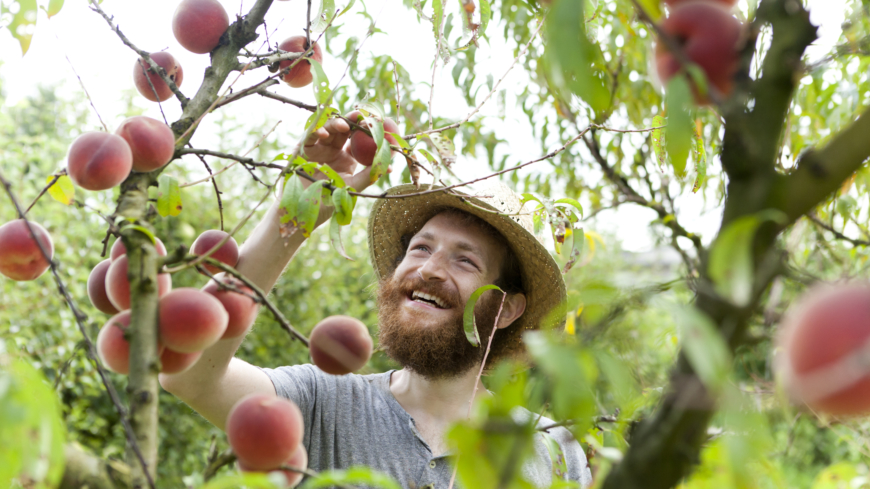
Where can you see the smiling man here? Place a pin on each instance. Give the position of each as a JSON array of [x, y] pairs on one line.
[[430, 252]]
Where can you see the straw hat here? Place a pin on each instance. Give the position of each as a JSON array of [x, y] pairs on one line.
[[393, 218]]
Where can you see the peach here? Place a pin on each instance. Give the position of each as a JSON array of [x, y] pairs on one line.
[[20, 256], [172, 362], [99, 160], [112, 346], [299, 459], [191, 320], [151, 142], [118, 248], [709, 36], [173, 71], [228, 253], [264, 431], [242, 310], [362, 146], [118, 286], [97, 288], [340, 345], [300, 75], [674, 3], [824, 341], [199, 24]]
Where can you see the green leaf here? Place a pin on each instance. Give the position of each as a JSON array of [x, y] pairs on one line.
[[358, 476], [319, 118], [485, 16], [653, 8], [678, 138], [836, 476], [168, 196], [731, 267], [302, 215], [468, 321], [319, 23], [372, 108], [335, 236], [445, 147], [658, 140], [700, 156], [399, 141], [290, 198], [23, 22], [54, 7], [145, 231], [573, 203], [332, 175], [32, 431], [62, 190], [344, 204], [321, 83], [437, 18], [346, 8], [704, 347], [575, 63]]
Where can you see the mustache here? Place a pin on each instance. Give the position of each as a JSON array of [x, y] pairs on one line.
[[449, 296]]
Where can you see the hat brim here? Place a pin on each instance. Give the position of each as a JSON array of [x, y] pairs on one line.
[[394, 218]]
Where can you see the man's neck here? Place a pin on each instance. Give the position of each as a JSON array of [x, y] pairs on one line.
[[440, 400]]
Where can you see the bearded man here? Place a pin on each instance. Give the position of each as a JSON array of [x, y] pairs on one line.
[[430, 252]]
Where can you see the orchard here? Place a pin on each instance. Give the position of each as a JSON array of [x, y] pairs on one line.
[[696, 168]]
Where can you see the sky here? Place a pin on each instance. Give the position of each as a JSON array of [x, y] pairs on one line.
[[105, 67]]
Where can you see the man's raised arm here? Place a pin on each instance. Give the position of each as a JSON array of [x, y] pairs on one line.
[[214, 384]]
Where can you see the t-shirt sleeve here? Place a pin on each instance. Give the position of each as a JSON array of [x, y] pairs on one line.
[[575, 457], [296, 382]]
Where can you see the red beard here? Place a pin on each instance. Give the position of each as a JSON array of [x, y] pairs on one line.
[[440, 351]]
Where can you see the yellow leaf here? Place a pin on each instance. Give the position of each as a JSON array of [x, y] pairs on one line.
[[62, 190]]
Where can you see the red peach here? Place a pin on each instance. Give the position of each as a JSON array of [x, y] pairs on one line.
[[340, 345], [20, 256], [97, 288], [299, 460], [824, 340], [264, 431], [118, 286], [99, 160], [112, 346], [242, 310], [674, 3], [709, 36], [173, 71], [172, 362], [118, 249], [228, 253], [199, 24], [362, 146], [151, 142], [191, 320], [300, 75]]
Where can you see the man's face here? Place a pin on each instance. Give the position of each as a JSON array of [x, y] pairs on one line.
[[422, 303]]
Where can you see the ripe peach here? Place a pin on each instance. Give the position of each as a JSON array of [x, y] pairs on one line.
[[299, 459], [825, 339], [674, 3], [20, 256], [340, 345], [99, 160], [97, 288], [118, 249], [173, 71], [151, 142], [242, 310], [300, 75], [264, 431], [191, 320], [199, 24], [709, 35], [118, 286], [172, 362], [362, 146], [228, 253], [113, 348]]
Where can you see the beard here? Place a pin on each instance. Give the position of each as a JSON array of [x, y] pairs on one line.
[[435, 351]]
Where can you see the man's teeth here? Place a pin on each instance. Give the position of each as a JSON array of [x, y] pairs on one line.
[[422, 295]]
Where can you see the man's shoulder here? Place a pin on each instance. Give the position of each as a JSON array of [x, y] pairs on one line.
[[556, 449]]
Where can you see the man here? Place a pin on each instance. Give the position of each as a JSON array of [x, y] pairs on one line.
[[431, 253]]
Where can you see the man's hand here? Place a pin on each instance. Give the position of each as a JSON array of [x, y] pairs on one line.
[[326, 145]]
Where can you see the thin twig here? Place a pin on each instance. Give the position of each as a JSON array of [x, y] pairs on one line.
[[217, 191], [45, 189], [80, 318], [822, 224], [435, 68]]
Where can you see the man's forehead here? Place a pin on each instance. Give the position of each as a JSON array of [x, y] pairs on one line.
[[463, 231]]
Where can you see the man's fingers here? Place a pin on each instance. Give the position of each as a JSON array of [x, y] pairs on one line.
[[336, 125]]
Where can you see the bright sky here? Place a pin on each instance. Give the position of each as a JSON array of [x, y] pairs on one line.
[[105, 66]]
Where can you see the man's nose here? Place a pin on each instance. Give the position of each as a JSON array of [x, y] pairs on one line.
[[433, 268]]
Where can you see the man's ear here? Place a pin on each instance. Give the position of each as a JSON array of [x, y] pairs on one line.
[[514, 306]]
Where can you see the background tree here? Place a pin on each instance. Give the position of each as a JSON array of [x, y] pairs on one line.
[[653, 388]]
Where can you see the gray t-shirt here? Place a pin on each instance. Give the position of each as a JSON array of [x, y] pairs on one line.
[[355, 420]]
